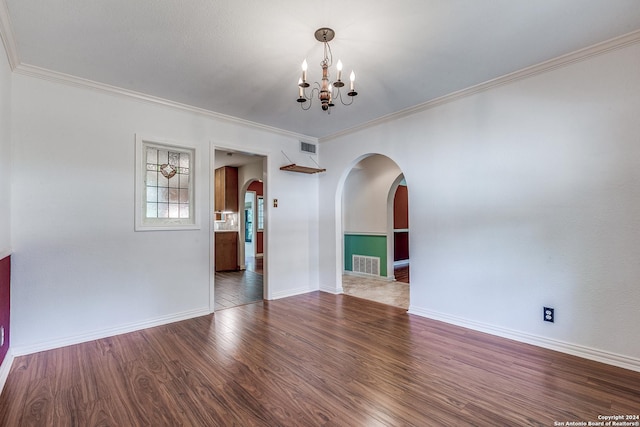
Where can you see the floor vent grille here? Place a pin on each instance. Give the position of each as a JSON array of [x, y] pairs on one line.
[[366, 265]]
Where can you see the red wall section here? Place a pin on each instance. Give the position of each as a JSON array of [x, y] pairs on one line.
[[257, 187], [401, 208], [5, 279], [401, 221], [400, 246], [259, 242]]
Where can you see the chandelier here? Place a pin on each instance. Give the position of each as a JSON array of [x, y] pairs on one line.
[[326, 91]]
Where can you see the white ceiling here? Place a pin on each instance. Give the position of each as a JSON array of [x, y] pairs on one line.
[[235, 158], [242, 58]]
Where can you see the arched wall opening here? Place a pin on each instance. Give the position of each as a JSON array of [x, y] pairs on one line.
[[252, 225], [365, 202]]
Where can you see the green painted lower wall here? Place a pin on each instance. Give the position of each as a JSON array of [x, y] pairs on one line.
[[362, 244]]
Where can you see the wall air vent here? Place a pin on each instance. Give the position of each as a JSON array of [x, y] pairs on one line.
[[369, 265], [306, 147]]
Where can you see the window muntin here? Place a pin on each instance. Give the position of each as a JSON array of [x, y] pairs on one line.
[[167, 183]]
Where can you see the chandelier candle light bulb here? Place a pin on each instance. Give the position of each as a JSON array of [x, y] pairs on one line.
[[323, 90], [304, 71]]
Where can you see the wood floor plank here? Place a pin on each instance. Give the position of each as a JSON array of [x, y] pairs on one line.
[[313, 359]]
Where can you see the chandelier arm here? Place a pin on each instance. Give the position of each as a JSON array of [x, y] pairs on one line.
[[345, 103], [309, 98], [302, 106]]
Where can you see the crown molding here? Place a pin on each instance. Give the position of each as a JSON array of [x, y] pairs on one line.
[[10, 45], [70, 80], [543, 67], [6, 34]]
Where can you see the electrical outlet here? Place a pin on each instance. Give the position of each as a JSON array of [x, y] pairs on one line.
[[549, 314]]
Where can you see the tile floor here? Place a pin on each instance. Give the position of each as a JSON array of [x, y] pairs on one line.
[[234, 288], [394, 293]]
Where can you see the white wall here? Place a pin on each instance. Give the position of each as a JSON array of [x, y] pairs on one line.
[[522, 196], [5, 153], [79, 269], [366, 194]]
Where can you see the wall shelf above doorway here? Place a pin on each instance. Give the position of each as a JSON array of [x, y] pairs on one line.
[[302, 169]]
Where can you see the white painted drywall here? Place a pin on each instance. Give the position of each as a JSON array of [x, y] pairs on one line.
[[366, 195], [522, 196], [79, 268], [5, 153]]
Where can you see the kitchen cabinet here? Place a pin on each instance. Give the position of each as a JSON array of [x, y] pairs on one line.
[[226, 250], [226, 188]]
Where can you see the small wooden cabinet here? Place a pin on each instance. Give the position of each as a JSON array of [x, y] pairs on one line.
[[226, 188], [226, 250]]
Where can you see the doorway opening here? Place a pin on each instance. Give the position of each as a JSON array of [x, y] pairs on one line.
[[238, 274]]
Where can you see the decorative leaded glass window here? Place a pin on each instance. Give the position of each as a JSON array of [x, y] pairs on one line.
[[165, 186]]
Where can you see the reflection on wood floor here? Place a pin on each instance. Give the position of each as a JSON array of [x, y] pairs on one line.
[[234, 288], [395, 293]]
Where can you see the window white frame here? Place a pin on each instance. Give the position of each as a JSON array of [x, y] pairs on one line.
[[142, 223]]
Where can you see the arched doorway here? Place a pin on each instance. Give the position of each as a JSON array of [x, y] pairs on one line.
[[252, 225], [369, 231], [399, 229]]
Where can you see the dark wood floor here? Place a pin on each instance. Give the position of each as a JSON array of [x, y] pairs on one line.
[[309, 360], [401, 273]]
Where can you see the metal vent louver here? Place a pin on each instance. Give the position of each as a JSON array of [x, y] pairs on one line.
[[366, 265], [306, 147]]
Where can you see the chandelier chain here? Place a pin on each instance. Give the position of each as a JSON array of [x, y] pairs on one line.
[[328, 58]]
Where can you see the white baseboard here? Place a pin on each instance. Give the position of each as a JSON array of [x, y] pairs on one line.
[[609, 358], [5, 368], [368, 276], [332, 290], [109, 332], [290, 293]]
